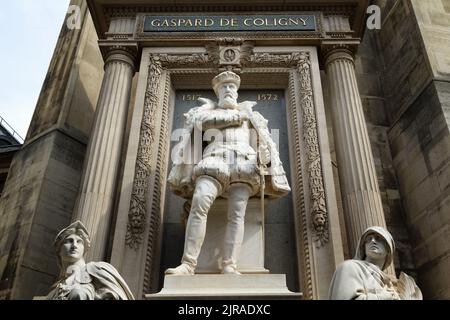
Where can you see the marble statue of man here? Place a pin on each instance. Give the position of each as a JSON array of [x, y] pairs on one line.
[[240, 161], [79, 280], [363, 278]]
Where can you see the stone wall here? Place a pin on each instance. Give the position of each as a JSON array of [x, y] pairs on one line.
[[37, 202], [420, 143], [369, 72], [413, 42], [84, 91], [71, 78], [433, 18], [406, 69]]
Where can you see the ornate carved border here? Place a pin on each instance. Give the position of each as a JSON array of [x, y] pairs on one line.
[[143, 210], [156, 203], [318, 207], [138, 208], [301, 219]]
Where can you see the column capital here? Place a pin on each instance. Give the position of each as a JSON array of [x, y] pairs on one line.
[[120, 52], [331, 51]]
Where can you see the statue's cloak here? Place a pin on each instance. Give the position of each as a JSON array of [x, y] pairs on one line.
[[108, 279], [98, 281], [185, 158]]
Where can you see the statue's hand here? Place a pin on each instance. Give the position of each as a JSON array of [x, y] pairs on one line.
[[207, 103], [388, 295], [244, 116], [247, 108]]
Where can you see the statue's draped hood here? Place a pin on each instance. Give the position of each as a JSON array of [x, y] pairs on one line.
[[360, 249]]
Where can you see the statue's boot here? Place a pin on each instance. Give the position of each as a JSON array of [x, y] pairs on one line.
[[182, 269], [234, 235], [230, 269], [206, 191]]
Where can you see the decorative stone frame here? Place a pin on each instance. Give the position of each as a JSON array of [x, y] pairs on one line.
[[137, 238], [140, 35]]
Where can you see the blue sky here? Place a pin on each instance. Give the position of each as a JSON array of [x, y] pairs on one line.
[[29, 30]]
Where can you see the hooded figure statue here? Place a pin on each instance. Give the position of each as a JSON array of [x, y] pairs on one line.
[[79, 280], [363, 278]]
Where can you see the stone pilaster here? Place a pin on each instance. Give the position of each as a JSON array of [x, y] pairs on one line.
[[359, 184], [96, 198]]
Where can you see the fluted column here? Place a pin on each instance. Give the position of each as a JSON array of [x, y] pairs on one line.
[[95, 203], [360, 190]]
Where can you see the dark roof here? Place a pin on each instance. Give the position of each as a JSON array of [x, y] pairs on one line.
[[8, 136]]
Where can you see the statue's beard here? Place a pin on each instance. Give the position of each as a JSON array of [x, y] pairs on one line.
[[228, 103]]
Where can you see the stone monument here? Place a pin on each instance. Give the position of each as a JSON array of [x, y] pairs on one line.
[[363, 278], [79, 280], [230, 167], [239, 162]]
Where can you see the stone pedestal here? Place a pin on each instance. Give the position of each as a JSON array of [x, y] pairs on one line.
[[250, 286], [251, 259], [254, 283]]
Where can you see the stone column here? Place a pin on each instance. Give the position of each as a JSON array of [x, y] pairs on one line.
[[96, 198], [360, 190]]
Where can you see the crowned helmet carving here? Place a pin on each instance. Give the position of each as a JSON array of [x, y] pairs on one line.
[[77, 228], [225, 77]]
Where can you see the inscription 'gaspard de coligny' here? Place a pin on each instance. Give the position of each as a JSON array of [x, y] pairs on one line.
[[236, 23], [223, 22]]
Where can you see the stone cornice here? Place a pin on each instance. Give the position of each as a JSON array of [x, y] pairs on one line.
[[130, 11], [103, 11]]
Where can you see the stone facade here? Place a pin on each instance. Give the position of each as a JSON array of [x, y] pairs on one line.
[[371, 72], [402, 75], [43, 181], [416, 85]]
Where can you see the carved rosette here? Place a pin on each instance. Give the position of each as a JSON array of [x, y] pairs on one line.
[[229, 53], [318, 208], [137, 214]]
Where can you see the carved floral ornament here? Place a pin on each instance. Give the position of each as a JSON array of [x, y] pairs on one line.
[[141, 212]]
